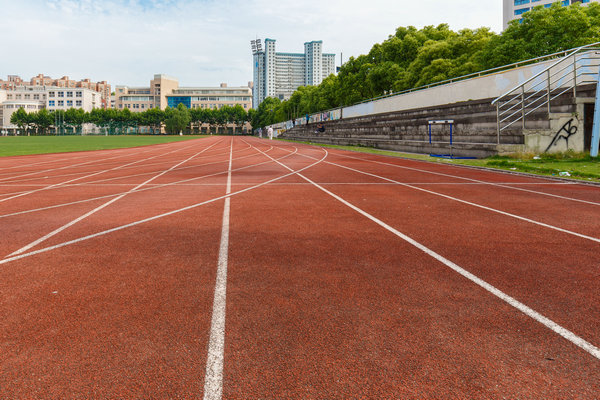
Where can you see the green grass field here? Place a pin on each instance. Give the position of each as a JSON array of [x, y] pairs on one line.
[[23, 145], [578, 166]]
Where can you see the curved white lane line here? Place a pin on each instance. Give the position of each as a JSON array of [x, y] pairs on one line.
[[155, 186], [503, 185], [121, 177], [553, 326], [124, 167], [91, 212], [80, 164], [556, 228], [118, 228], [82, 177]]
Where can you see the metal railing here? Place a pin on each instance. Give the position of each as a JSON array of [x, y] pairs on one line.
[[578, 67]]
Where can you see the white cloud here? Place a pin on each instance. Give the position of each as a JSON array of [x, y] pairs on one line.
[[203, 42]]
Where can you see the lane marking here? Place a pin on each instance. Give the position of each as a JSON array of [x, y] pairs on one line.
[[213, 380], [149, 219], [53, 186], [73, 165], [553, 326], [499, 184], [24, 182], [556, 228], [155, 186], [91, 212], [94, 184]]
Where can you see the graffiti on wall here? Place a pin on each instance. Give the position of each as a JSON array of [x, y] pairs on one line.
[[567, 130]]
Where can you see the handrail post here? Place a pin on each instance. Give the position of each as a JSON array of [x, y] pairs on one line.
[[548, 92], [498, 123], [574, 75], [523, 105]]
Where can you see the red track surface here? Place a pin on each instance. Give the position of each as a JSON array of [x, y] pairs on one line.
[[341, 281]]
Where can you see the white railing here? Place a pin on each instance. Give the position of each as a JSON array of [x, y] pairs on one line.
[[578, 67]]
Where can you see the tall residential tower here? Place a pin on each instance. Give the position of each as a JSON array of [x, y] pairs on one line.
[[280, 74], [514, 9]]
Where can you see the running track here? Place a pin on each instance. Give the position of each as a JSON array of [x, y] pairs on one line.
[[247, 268]]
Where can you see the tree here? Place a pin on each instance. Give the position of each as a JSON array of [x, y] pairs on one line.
[[19, 118], [43, 119], [177, 119], [154, 118], [75, 118]]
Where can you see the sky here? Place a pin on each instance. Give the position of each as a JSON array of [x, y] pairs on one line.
[[204, 42]]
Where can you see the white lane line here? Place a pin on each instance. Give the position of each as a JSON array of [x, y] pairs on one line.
[[556, 228], [54, 186], [213, 380], [161, 163], [94, 184], [553, 326], [102, 160], [155, 186], [499, 184], [155, 217], [76, 220]]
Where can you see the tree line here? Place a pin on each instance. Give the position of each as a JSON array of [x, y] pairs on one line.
[[173, 120], [413, 57]]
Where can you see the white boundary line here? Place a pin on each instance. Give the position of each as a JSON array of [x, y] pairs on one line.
[[82, 217], [23, 182], [155, 186], [553, 326], [124, 167], [213, 380], [55, 185], [556, 228], [155, 217], [101, 160], [499, 184]]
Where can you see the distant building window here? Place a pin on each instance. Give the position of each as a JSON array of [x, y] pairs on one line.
[[78, 94], [521, 11], [9, 97], [61, 103], [69, 103], [18, 97], [36, 96], [50, 94], [69, 94], [51, 103], [78, 103], [61, 94]]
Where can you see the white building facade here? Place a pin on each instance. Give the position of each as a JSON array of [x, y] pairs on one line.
[[280, 74], [514, 9], [35, 98]]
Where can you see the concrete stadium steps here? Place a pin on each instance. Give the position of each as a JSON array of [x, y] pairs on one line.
[[474, 130]]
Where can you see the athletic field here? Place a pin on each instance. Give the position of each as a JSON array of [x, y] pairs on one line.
[[230, 267]]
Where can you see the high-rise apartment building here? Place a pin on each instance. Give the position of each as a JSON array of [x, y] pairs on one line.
[[280, 74], [514, 9]]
